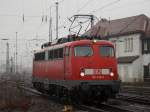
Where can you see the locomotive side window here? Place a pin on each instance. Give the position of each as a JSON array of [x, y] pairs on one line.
[[60, 53], [55, 54], [39, 56], [50, 54], [83, 51], [106, 51]]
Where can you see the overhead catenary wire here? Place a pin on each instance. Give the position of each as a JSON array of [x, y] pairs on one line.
[[83, 7], [61, 1], [39, 16], [105, 6], [129, 5]]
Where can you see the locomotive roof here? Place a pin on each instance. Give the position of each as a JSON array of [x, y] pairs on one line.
[[73, 43]]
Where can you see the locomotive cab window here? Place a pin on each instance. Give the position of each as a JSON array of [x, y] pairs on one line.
[[83, 50], [106, 51]]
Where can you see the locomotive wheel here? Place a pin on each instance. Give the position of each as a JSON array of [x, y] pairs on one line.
[[39, 86]]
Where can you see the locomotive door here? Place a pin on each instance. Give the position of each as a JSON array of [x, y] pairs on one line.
[[67, 63]]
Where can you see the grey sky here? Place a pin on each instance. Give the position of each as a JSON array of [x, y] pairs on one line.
[[12, 11]]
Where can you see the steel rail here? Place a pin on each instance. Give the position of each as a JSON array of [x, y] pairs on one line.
[[101, 108], [135, 99]]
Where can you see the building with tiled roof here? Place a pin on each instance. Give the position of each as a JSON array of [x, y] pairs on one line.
[[131, 37]]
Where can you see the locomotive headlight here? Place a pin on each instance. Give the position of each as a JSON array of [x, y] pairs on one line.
[[94, 41], [82, 74], [112, 74]]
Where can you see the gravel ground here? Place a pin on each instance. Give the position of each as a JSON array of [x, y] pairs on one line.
[[43, 105], [36, 104], [15, 99], [129, 106]]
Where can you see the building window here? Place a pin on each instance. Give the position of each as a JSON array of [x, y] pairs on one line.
[[128, 44], [125, 47], [131, 44], [145, 45]]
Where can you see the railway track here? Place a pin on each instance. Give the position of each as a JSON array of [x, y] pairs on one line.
[[134, 98], [82, 108], [85, 108], [103, 108], [100, 108], [142, 90]]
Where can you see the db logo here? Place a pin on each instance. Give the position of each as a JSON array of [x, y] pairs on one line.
[[97, 71]]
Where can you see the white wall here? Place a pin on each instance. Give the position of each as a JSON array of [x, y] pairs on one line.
[[146, 59], [125, 72], [120, 45], [132, 72], [138, 74]]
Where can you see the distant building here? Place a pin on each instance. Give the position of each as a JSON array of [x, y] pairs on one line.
[[131, 37]]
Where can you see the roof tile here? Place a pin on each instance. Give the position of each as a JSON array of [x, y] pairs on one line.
[[139, 23]]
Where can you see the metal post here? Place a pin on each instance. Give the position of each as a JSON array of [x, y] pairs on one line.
[[7, 54], [50, 27], [92, 21], [1, 59], [16, 53], [7, 57], [20, 64], [11, 64], [14, 62], [56, 20]]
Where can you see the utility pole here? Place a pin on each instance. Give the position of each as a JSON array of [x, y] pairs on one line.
[[7, 57], [16, 52], [11, 64], [7, 54], [56, 20], [14, 58], [92, 20], [50, 27]]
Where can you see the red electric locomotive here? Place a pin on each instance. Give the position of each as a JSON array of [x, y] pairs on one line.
[[84, 69]]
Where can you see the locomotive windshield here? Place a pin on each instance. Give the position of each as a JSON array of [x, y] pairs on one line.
[[106, 51], [83, 51]]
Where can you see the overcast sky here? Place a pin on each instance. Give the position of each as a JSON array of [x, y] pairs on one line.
[[12, 11]]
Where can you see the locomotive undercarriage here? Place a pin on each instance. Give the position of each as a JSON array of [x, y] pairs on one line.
[[81, 92]]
